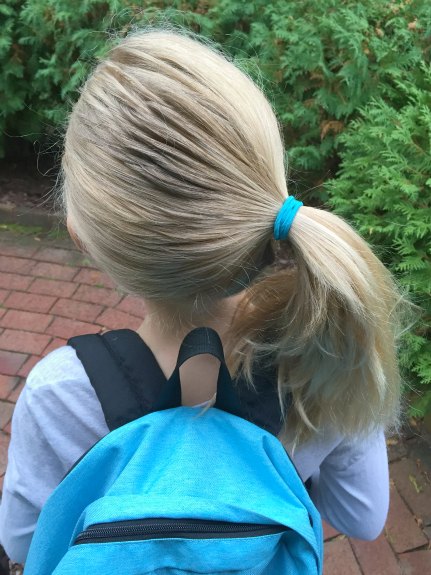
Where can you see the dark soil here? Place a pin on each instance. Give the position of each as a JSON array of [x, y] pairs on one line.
[[27, 180]]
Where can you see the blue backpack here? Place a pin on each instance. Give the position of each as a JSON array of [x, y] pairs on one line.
[[180, 490]]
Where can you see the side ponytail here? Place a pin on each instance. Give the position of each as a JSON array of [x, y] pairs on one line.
[[327, 311]]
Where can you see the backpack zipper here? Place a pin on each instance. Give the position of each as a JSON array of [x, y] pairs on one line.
[[143, 529]]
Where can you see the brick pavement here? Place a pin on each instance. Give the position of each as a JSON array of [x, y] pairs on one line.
[[50, 292]]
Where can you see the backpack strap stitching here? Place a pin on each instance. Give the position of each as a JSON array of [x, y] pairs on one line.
[[112, 387], [134, 383], [138, 361]]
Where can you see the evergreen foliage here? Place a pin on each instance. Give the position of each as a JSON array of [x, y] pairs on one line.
[[348, 81], [384, 188], [321, 61]]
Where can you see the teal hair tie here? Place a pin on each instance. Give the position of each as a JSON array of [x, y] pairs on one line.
[[285, 218]]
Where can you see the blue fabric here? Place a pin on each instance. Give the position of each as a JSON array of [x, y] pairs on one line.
[[285, 217], [181, 463]]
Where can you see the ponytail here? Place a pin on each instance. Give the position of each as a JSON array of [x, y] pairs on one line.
[[173, 175], [327, 312]]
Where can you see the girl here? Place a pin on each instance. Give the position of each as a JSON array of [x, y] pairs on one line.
[[174, 183]]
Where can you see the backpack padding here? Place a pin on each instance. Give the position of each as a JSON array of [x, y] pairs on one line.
[[202, 340], [139, 365], [122, 395]]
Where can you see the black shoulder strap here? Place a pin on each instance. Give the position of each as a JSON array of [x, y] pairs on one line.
[[129, 383], [123, 372]]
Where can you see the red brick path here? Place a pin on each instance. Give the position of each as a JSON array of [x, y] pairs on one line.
[[49, 292]]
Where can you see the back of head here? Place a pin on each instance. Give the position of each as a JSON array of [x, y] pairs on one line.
[[173, 177], [174, 169]]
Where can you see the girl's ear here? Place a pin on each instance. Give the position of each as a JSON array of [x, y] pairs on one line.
[[74, 237]]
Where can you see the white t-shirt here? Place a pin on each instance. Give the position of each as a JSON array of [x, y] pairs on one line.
[[58, 418]]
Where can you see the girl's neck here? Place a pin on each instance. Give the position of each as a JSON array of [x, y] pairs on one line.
[[198, 375]]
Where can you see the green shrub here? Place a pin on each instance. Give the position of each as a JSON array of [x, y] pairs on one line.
[[384, 189], [13, 87], [48, 47], [322, 61]]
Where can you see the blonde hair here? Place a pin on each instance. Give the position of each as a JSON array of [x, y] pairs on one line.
[[173, 176]]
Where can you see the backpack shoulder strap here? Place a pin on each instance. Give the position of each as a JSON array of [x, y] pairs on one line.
[[123, 372], [128, 380], [260, 402]]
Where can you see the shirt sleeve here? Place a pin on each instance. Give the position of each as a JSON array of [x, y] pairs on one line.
[[57, 418], [26, 480], [351, 488]]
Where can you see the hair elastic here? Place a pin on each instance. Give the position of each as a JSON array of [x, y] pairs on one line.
[[285, 217]]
